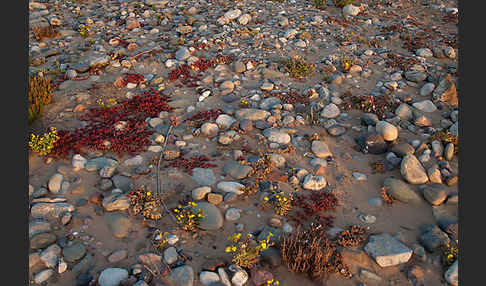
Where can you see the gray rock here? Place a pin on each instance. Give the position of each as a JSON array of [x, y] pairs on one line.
[[424, 52], [182, 276], [74, 252], [42, 240], [213, 219], [370, 118], [314, 183], [223, 276], [200, 193], [203, 176], [415, 76], [118, 224], [449, 151], [121, 182], [269, 102], [271, 74], [225, 121], [320, 149], [230, 187], [112, 276], [252, 114], [404, 112], [38, 226], [208, 277], [50, 256], [209, 129], [452, 274], [237, 170], [367, 218], [277, 136], [387, 130], [401, 191], [437, 148], [425, 106], [278, 160], [360, 176], [403, 149], [182, 54], [318, 162], [434, 174], [232, 14], [432, 237], [387, 250], [170, 255], [351, 10], [336, 130], [435, 195], [232, 214], [100, 162], [413, 171], [427, 89], [43, 276], [99, 61], [454, 129], [116, 202], [330, 111], [84, 265], [50, 210], [54, 184], [117, 256]]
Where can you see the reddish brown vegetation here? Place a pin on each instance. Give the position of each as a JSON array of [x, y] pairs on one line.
[[188, 164], [203, 116]]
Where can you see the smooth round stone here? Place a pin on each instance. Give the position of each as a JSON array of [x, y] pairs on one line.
[[401, 191], [376, 202], [403, 149], [449, 151], [427, 89], [424, 52], [404, 111], [170, 255], [213, 219], [118, 256], [425, 106], [367, 218], [74, 252], [360, 176], [336, 130], [209, 129], [372, 143], [276, 136], [330, 111], [112, 276], [314, 183], [232, 214], [387, 130], [200, 193], [208, 277], [43, 276], [413, 171], [54, 184]]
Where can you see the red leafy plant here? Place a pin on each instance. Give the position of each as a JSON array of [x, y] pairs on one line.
[[201, 117], [120, 128], [188, 164], [312, 206]]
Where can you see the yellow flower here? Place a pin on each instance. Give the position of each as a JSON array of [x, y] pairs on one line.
[[228, 249], [179, 206], [264, 245], [149, 193], [265, 198], [233, 248]]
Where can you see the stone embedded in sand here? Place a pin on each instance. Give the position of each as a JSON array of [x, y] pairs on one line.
[[268, 102], [118, 224], [203, 176], [372, 143], [42, 276], [200, 193], [452, 274], [112, 276], [314, 183], [276, 136], [209, 129], [387, 250], [236, 170], [230, 187], [74, 252], [54, 184], [170, 255], [401, 191], [225, 121], [50, 256], [213, 219], [351, 10], [50, 210], [252, 114], [387, 130], [182, 276], [116, 202], [425, 106], [435, 195], [446, 92], [413, 171], [320, 149], [330, 111], [232, 14]]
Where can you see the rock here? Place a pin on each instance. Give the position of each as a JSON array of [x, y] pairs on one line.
[[203, 176], [240, 277], [182, 54], [84, 265], [271, 74], [387, 251], [434, 174], [330, 111], [415, 275], [54, 184], [425, 106], [437, 148], [74, 252], [449, 151], [387, 130], [367, 218], [314, 183], [170, 255], [403, 149], [277, 160], [118, 224], [38, 226], [231, 187], [50, 210], [213, 219], [239, 67], [216, 199], [182, 276], [112, 276], [237, 170], [446, 92], [232, 214], [320, 149], [42, 240], [368, 275], [208, 277], [415, 76], [413, 171], [232, 14], [452, 274], [454, 129], [269, 102], [118, 256], [224, 121], [200, 193], [351, 10], [43, 276], [223, 276], [61, 266], [277, 136], [78, 162], [272, 257], [100, 162], [372, 143], [424, 52], [252, 114], [50, 256], [318, 162], [435, 195], [449, 52], [427, 89], [404, 112], [401, 191], [369, 118], [116, 202], [432, 237]]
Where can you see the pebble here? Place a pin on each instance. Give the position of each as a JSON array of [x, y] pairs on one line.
[[43, 276], [54, 184], [387, 130], [387, 251], [330, 111], [314, 183], [413, 171], [232, 214], [170, 255], [208, 277], [112, 276]]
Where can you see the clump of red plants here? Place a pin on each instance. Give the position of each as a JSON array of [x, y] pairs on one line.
[[203, 116], [387, 198], [135, 78], [188, 78], [312, 206], [120, 128], [293, 97], [188, 164], [378, 105]]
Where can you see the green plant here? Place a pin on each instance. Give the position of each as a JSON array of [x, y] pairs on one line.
[[160, 240], [43, 144], [84, 30], [342, 3], [111, 102], [299, 68], [281, 204], [40, 95], [188, 217], [449, 254], [246, 253]]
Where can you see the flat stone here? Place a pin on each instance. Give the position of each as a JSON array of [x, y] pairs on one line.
[[112, 276], [387, 130], [425, 106], [54, 184], [121, 182], [314, 183], [200, 193], [213, 219], [452, 274], [446, 92], [413, 171], [203, 176], [43, 276], [231, 187], [320, 149], [387, 251], [372, 143], [170, 255], [403, 149], [38, 226], [116, 202], [117, 256], [50, 256], [237, 170], [404, 111], [74, 252], [276, 136], [50, 210], [232, 214], [252, 114], [427, 89], [118, 224], [401, 191], [225, 121], [100, 162], [330, 111], [42, 240], [208, 277], [182, 276]]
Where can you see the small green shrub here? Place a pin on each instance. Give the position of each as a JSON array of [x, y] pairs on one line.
[[299, 68]]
